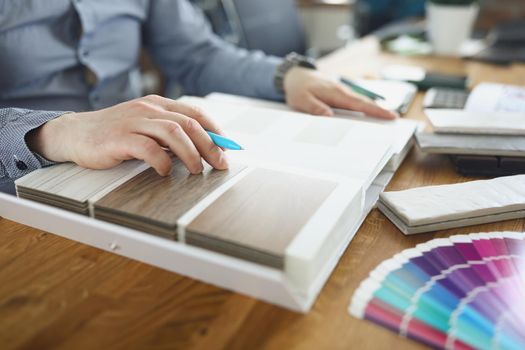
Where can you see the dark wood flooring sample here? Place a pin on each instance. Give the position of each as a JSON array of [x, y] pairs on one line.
[[153, 203], [259, 216]]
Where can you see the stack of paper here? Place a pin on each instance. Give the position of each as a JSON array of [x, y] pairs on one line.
[[496, 145], [432, 208]]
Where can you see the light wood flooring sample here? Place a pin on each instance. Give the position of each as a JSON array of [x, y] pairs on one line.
[[70, 186], [153, 203], [258, 217]]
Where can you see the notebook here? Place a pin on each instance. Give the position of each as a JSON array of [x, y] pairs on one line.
[[432, 208]]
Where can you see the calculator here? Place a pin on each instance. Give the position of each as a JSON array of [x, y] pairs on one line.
[[445, 98]]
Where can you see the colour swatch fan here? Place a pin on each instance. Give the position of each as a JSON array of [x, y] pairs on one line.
[[462, 292]]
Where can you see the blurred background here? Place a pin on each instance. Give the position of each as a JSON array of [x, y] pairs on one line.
[[318, 27]]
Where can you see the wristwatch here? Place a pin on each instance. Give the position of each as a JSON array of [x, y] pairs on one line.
[[291, 60]]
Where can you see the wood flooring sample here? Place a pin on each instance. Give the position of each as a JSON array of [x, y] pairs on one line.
[[153, 203], [70, 186], [258, 217]]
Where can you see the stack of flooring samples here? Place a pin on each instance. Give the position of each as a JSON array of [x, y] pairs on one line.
[[467, 144], [432, 208], [251, 213], [478, 155], [70, 187], [153, 204], [487, 137], [286, 219], [259, 216]]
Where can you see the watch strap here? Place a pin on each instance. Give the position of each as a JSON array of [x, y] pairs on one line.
[[291, 60]]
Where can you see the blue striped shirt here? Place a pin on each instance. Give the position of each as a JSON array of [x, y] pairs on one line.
[[49, 47]]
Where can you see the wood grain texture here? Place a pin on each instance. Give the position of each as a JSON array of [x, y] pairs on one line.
[[45, 279], [154, 203], [69, 186], [259, 216]]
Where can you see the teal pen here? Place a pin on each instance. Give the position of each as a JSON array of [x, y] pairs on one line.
[[361, 90], [224, 142]]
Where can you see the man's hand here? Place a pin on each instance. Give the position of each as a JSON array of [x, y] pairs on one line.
[[143, 129], [312, 92]]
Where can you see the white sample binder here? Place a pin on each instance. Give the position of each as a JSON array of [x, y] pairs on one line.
[[281, 287], [255, 280]]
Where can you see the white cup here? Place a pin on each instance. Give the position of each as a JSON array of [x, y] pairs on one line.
[[449, 26]]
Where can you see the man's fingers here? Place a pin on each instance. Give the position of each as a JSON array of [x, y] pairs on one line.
[[372, 109], [172, 135], [342, 97], [145, 148], [209, 151], [312, 105], [185, 109], [200, 139]]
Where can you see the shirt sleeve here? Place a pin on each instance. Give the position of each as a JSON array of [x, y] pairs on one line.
[[182, 44], [16, 159]]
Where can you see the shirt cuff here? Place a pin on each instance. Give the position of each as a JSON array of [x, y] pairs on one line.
[[265, 73], [17, 159]]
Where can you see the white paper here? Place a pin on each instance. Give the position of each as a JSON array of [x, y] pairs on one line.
[[352, 149], [490, 97], [402, 130]]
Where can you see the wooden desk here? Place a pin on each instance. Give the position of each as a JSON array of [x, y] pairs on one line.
[[56, 293]]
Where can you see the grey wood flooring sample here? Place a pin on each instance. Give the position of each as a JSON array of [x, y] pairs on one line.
[[258, 217], [494, 145], [153, 203], [70, 186]]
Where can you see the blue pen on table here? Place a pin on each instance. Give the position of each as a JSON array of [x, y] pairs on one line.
[[224, 142], [361, 90]]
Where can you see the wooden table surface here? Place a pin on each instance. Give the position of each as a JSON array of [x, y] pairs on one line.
[[59, 294]]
